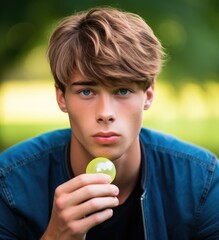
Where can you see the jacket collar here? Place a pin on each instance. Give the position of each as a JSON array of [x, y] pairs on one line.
[[143, 168]]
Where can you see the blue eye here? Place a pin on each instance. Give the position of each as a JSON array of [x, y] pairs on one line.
[[86, 92], [123, 92]]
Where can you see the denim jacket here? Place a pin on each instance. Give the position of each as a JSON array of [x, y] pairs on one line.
[[180, 184]]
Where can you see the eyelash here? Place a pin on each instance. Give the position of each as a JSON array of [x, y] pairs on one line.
[[81, 92], [117, 92], [128, 91]]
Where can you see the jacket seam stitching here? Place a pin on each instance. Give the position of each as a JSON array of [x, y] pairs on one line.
[[23, 161], [204, 195], [179, 154]]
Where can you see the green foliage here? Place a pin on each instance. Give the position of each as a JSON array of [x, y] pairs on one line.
[[191, 113], [189, 31]]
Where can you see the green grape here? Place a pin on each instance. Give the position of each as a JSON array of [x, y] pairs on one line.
[[102, 165]]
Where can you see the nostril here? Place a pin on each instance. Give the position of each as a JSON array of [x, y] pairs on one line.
[[99, 119], [106, 119]]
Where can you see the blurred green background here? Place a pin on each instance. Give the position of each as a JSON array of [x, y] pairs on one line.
[[187, 92]]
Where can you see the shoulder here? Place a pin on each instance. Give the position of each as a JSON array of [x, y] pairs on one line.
[[29, 173], [168, 146], [34, 148], [187, 178]]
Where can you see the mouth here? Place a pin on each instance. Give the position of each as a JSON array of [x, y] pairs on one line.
[[106, 137]]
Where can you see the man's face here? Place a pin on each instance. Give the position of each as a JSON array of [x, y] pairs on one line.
[[104, 121]]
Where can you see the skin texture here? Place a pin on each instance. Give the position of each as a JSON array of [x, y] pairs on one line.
[[105, 122]]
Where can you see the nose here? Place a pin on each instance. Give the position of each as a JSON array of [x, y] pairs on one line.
[[105, 112]]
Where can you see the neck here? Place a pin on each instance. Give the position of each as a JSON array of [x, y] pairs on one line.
[[127, 167], [79, 158], [127, 175]]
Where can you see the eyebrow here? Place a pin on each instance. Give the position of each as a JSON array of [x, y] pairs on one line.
[[84, 83]]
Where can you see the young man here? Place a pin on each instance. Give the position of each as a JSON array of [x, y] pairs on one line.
[[104, 63]]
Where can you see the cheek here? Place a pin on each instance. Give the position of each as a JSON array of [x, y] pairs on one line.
[[133, 118], [80, 120], [137, 116], [76, 118], [136, 110]]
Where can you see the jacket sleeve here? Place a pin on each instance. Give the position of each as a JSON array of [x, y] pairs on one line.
[[9, 222], [207, 215]]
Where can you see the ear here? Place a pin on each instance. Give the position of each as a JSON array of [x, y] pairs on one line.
[[149, 97], [60, 98]]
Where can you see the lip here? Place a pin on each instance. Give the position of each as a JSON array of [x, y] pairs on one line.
[[106, 137]]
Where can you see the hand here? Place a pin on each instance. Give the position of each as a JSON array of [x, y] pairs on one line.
[[80, 204]]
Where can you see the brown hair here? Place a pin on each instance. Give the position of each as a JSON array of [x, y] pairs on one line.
[[106, 45]]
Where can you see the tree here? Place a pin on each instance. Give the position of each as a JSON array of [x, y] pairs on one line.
[[189, 31]]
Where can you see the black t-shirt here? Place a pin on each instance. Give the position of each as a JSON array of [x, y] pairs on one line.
[[126, 222]]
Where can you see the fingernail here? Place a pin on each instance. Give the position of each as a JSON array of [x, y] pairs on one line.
[[116, 191], [108, 178]]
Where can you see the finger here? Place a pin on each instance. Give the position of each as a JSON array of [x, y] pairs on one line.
[[85, 224], [89, 207], [95, 205], [86, 193], [83, 180], [97, 218]]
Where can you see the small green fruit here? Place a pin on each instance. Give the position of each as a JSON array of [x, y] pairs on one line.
[[102, 165]]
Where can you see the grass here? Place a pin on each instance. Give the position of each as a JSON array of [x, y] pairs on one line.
[[29, 108], [204, 133]]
